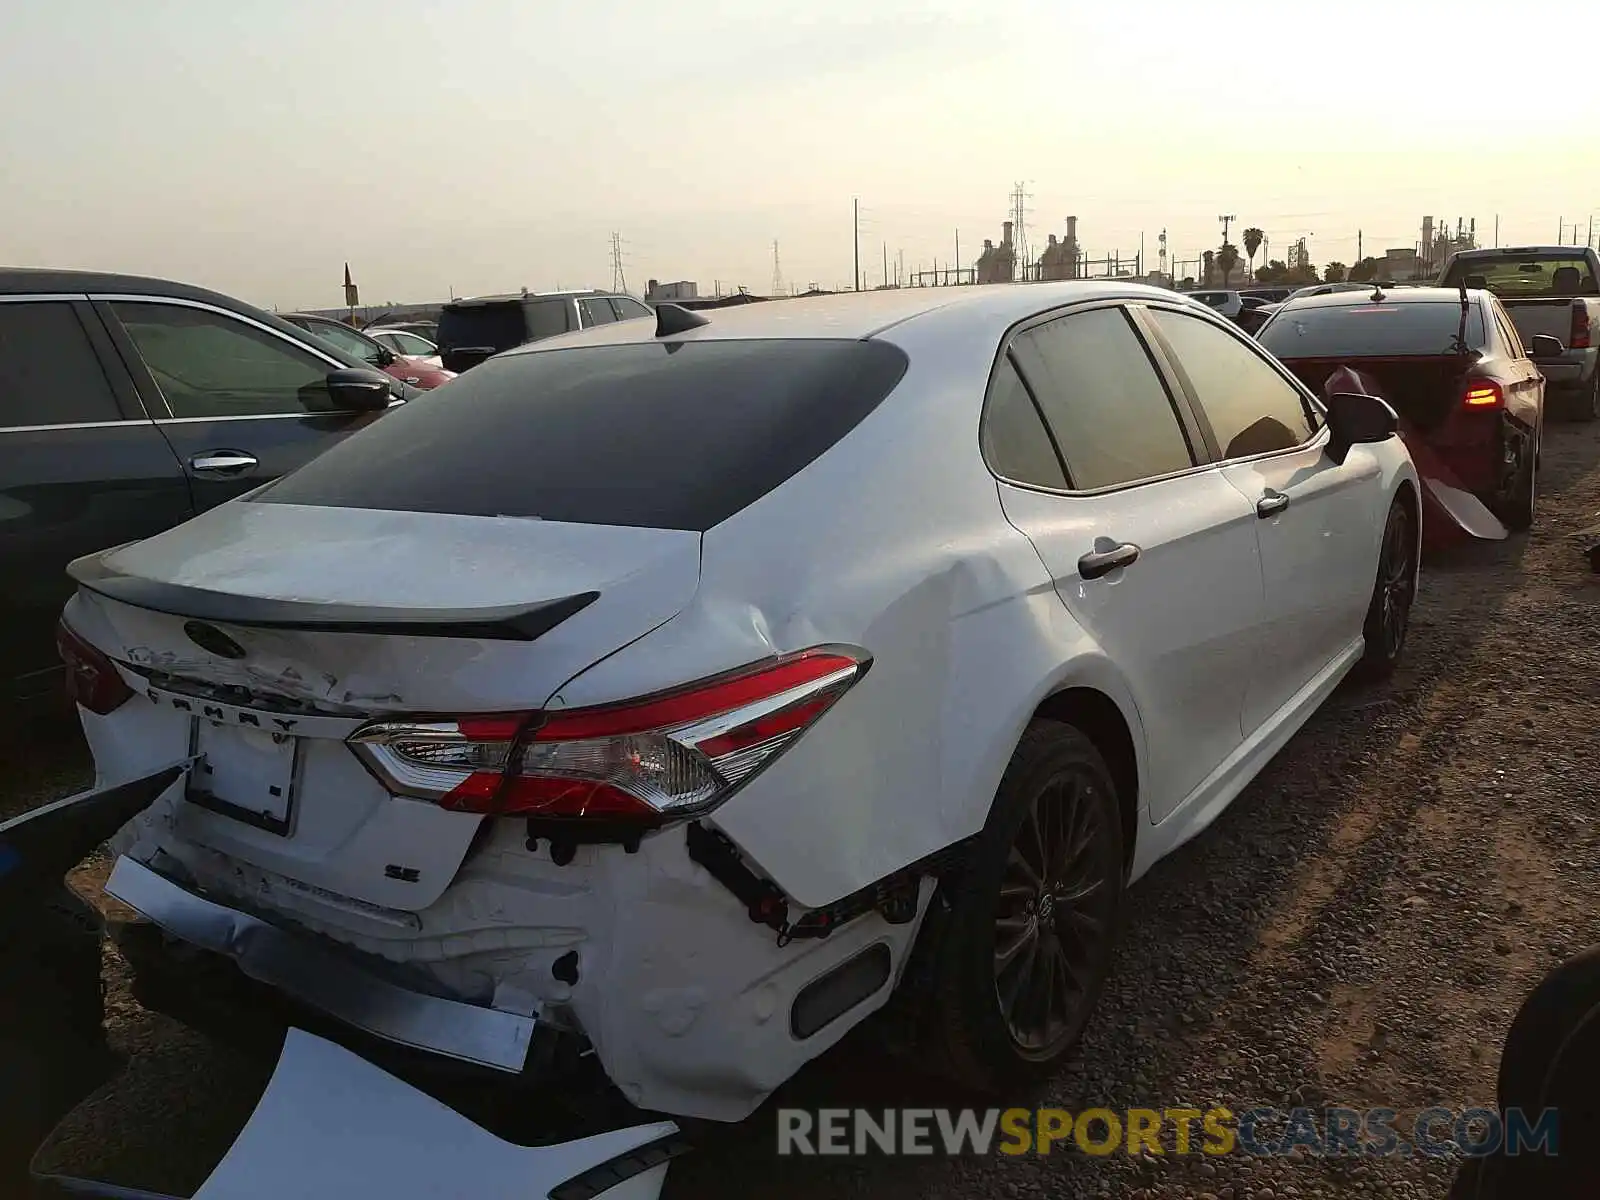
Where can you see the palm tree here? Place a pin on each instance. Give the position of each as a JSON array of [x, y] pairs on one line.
[[1210, 259], [1253, 238], [1227, 260]]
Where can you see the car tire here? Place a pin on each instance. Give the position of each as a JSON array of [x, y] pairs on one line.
[[1393, 592], [1518, 511], [1018, 974]]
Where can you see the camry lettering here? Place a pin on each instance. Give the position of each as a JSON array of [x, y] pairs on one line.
[[215, 712]]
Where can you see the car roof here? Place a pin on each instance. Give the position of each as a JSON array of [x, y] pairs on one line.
[[859, 315], [16, 281], [517, 297], [1406, 295]]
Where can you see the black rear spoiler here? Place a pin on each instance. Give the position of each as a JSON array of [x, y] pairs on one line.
[[502, 623]]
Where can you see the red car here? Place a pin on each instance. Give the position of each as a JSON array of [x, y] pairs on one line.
[[1469, 394], [352, 341]]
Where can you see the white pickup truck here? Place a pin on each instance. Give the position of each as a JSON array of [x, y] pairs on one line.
[[1552, 290]]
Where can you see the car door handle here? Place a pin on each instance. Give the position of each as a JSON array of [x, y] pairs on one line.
[[223, 462], [1271, 504], [1102, 562]]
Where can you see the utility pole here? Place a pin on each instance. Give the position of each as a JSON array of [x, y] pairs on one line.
[[886, 264], [1560, 228], [958, 256], [900, 268], [855, 215], [1497, 231], [1140, 267], [1226, 220], [1358, 246], [1589, 237], [777, 271]]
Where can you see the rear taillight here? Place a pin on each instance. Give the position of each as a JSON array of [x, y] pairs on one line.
[[92, 678], [674, 754], [1483, 393], [1580, 326]]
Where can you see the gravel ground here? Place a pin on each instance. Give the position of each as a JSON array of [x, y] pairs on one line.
[[1357, 929]]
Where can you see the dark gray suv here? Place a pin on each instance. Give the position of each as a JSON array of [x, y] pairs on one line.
[[473, 329]]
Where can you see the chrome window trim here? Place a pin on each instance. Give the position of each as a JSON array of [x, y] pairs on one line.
[[37, 297], [75, 425]]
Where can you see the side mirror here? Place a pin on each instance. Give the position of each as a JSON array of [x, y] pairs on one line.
[[357, 389], [1546, 345], [1355, 419]]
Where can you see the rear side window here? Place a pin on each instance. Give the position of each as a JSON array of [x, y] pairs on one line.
[[664, 436], [1371, 330], [1252, 408], [498, 325], [49, 374], [1015, 443], [546, 318], [1107, 406], [628, 310]]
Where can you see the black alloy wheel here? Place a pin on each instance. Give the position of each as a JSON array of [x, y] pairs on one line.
[[1389, 615], [1025, 950], [1053, 917]]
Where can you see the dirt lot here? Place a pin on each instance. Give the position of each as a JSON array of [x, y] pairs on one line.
[[1356, 930]]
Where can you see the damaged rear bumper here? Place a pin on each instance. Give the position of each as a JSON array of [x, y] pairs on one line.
[[310, 973]]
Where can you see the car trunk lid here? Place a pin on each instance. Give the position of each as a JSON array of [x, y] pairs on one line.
[[269, 633]]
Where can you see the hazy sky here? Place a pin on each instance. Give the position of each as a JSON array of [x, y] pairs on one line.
[[256, 145]]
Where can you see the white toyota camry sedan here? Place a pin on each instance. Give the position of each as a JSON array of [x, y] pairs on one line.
[[660, 690]]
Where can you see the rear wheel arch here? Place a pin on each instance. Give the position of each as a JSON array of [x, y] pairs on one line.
[[1102, 722]]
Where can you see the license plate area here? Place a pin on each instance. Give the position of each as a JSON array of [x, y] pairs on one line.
[[247, 775]]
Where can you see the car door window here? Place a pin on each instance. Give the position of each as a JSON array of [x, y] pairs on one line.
[[628, 310], [346, 339], [1015, 443], [210, 365], [49, 372], [410, 343], [1252, 408], [596, 312], [1103, 398]]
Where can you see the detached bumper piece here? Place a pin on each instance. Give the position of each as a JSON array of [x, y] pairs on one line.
[[321, 979], [331, 1126]]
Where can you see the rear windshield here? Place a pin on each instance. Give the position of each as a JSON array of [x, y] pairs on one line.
[[1370, 330], [666, 436], [1535, 275]]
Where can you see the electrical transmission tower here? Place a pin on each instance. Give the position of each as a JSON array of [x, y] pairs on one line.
[[619, 281], [777, 271], [1019, 226], [1226, 220]]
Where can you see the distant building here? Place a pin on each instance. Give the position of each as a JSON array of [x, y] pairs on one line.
[[671, 293], [1061, 259], [998, 264]]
